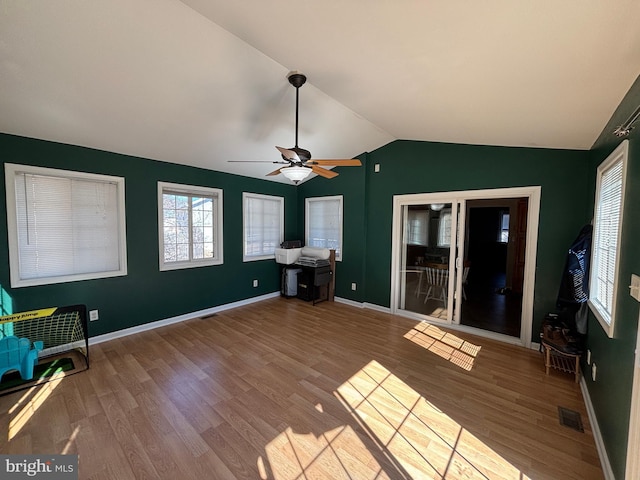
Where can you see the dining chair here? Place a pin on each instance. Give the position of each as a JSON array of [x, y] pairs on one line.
[[436, 280]]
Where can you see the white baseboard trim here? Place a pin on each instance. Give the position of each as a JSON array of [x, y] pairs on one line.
[[370, 306], [180, 318], [346, 301], [378, 308], [61, 348], [597, 435]]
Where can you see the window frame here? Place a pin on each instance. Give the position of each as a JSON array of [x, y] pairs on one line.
[[605, 317], [307, 203], [192, 190], [258, 196], [11, 170]]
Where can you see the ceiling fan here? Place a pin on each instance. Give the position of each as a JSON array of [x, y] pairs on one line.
[[299, 164]]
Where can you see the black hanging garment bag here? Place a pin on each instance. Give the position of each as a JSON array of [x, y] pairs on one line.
[[567, 328]]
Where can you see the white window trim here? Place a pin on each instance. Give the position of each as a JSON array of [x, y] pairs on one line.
[[307, 202], [12, 224], [218, 258], [245, 196], [608, 324]]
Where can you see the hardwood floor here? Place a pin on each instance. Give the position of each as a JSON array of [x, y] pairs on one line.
[[282, 389], [487, 309]]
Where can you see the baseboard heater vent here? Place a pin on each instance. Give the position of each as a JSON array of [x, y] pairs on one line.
[[570, 418]]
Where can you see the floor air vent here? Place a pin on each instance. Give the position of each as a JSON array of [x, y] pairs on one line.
[[570, 418], [211, 315]]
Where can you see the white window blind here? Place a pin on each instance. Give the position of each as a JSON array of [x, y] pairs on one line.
[[263, 218], [503, 234], [323, 221], [444, 228], [65, 225], [418, 227], [606, 236]]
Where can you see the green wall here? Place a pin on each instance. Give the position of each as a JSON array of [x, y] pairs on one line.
[[147, 294], [614, 357], [423, 167]]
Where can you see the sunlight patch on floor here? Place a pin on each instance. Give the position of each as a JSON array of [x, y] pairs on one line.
[[444, 344], [29, 404], [67, 448], [423, 441], [436, 311], [335, 454], [396, 433]]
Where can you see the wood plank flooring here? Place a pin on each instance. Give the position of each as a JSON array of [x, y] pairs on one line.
[[282, 389]]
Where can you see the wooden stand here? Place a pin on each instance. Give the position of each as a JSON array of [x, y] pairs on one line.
[[565, 362]]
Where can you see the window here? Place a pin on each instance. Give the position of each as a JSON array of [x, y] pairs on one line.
[[607, 225], [263, 219], [503, 234], [418, 227], [64, 226], [323, 223], [444, 228], [190, 226]]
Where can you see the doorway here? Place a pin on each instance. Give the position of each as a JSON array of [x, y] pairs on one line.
[[433, 245], [495, 242]]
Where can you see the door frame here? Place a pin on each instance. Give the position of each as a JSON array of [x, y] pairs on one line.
[[633, 442], [532, 193]]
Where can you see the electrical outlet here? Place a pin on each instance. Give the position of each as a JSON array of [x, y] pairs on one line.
[[93, 315], [353, 286], [376, 167], [593, 372], [588, 357], [255, 283]]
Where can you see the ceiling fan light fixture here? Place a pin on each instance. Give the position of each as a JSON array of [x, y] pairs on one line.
[[295, 173]]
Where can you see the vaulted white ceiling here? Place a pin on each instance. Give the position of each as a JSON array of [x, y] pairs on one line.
[[201, 82]]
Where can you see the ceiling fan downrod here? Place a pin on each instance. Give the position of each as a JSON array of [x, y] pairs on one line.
[[297, 80]]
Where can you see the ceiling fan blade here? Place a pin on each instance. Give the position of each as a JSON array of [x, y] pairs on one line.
[[275, 172], [288, 154], [257, 161], [338, 162], [323, 172]]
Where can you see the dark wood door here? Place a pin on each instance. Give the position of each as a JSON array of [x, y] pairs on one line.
[[520, 243]]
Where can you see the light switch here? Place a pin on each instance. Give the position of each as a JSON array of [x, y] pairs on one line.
[[634, 288]]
